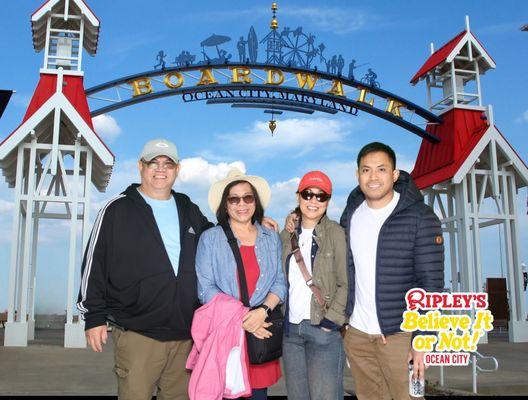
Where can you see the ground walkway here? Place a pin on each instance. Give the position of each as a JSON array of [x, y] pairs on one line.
[[46, 368]]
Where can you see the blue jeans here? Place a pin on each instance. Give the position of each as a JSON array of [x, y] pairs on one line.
[[258, 394], [313, 363]]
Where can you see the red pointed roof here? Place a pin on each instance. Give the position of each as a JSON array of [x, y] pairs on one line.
[[459, 133], [446, 52], [73, 89], [438, 57]]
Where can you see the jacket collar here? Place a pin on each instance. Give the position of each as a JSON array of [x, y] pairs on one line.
[[319, 229], [405, 186]]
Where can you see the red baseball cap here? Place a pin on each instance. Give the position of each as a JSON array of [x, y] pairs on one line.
[[316, 179]]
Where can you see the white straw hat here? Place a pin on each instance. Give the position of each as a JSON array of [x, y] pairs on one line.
[[217, 188]]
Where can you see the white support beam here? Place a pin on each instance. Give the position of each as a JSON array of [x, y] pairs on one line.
[[494, 169], [73, 234], [453, 84], [46, 45], [33, 279], [28, 235], [516, 254], [477, 77], [55, 139], [81, 44], [453, 233], [477, 266], [509, 252], [15, 238]]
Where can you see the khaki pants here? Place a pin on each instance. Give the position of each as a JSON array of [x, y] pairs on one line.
[[143, 364], [379, 371]]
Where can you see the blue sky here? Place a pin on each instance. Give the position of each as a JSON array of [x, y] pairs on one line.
[[392, 37]]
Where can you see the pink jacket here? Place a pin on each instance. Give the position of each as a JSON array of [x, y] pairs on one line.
[[219, 357]]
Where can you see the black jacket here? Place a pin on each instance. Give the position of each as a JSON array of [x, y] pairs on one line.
[[127, 276], [410, 253]]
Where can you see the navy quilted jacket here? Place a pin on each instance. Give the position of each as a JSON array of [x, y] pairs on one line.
[[410, 253]]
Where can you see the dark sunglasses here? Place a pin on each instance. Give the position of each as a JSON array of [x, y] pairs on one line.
[[248, 199], [320, 197]]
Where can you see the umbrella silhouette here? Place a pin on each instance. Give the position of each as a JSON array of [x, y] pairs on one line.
[[215, 41]]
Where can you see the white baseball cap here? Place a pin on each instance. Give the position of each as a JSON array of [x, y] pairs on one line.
[[159, 147]]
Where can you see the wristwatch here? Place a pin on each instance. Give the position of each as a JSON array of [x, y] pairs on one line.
[[266, 308]]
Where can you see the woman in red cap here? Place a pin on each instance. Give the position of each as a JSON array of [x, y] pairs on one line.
[[314, 261]]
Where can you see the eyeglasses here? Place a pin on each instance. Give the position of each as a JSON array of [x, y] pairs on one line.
[[159, 165], [320, 197], [234, 200]]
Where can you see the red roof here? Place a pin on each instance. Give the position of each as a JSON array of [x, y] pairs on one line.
[[438, 57], [73, 89], [459, 133]]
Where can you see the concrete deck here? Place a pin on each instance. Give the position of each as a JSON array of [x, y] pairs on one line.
[[46, 368]]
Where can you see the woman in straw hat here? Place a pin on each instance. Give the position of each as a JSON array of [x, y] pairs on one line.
[[239, 201], [314, 261]]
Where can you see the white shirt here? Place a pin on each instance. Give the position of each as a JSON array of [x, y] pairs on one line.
[[364, 231], [300, 295]]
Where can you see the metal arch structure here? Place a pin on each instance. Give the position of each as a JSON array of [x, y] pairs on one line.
[[285, 88]]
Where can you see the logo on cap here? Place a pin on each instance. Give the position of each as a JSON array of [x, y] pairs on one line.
[[161, 144]]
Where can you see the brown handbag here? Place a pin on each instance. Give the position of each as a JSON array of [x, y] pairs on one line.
[[304, 271]]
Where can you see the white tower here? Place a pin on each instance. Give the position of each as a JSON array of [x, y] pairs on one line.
[[452, 73], [51, 159], [472, 176]]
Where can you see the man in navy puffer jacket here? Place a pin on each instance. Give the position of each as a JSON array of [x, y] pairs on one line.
[[394, 244]]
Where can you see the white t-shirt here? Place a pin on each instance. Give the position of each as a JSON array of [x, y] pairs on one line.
[[364, 231], [300, 295]]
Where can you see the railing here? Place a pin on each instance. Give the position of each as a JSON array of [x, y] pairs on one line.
[[475, 368]]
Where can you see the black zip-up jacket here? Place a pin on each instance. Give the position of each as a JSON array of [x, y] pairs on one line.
[[410, 253], [127, 276]]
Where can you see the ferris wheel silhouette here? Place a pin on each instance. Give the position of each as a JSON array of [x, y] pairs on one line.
[[298, 48]]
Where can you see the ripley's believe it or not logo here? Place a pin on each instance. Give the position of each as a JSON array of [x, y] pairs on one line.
[[451, 324]]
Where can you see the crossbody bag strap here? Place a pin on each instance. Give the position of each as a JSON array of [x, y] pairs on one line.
[[304, 271], [240, 265]]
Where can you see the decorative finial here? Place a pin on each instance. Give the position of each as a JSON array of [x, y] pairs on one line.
[[272, 125], [274, 23]]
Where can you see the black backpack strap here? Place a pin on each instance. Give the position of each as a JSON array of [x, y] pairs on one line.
[[240, 265]]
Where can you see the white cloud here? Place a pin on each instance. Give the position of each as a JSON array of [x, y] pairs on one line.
[[337, 20], [294, 136], [283, 198], [21, 99], [198, 171], [106, 126], [6, 206], [523, 118], [501, 28]]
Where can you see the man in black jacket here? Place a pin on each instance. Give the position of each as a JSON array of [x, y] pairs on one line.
[[138, 274], [394, 244]]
